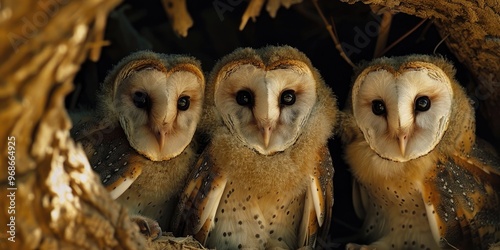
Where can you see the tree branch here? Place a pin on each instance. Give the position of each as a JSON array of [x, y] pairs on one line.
[[50, 195]]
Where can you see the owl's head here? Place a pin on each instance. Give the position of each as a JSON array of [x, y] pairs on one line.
[[264, 96], [404, 105], [158, 101]]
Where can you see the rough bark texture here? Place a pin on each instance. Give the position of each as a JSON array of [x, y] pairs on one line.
[[472, 31], [55, 200]]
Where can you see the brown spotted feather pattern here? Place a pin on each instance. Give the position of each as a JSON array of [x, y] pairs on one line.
[[421, 179], [265, 179], [139, 139]]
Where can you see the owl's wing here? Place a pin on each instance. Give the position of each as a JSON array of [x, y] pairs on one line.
[[462, 200], [359, 199], [318, 202], [198, 203], [110, 155]]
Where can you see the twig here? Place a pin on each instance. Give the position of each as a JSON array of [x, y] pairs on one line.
[[448, 243], [99, 42], [330, 28], [440, 42], [383, 34], [424, 31], [403, 37]]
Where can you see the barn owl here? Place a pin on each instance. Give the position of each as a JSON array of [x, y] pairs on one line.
[[421, 180], [139, 140], [265, 179]]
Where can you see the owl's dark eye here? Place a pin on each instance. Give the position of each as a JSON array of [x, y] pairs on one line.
[[244, 98], [287, 97], [141, 100], [183, 103], [422, 103], [378, 107]]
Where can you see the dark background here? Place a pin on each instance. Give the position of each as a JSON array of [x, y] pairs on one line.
[[136, 25]]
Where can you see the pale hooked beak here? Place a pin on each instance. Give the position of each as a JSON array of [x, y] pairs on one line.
[[403, 140], [266, 133], [160, 136], [266, 129]]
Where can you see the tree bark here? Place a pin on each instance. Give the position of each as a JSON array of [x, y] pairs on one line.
[[471, 29], [49, 195]]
